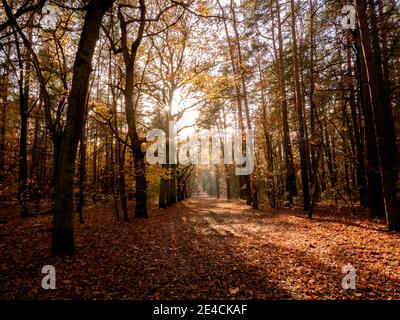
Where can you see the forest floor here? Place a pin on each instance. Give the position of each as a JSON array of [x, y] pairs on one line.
[[204, 248]]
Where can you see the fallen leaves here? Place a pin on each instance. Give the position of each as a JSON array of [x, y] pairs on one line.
[[234, 291], [204, 249]]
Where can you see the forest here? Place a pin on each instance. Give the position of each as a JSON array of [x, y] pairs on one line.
[[110, 108]]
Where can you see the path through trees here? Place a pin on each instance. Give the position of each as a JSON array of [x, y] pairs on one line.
[[205, 248]]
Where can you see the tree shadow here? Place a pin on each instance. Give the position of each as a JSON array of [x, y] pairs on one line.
[[315, 271], [364, 223], [265, 278]]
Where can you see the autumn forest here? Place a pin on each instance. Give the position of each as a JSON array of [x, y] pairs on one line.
[[199, 149]]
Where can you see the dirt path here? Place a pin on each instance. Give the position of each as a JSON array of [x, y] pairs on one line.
[[203, 248]]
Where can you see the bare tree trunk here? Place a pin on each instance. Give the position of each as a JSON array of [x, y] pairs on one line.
[[138, 155], [383, 116], [300, 116], [23, 87], [4, 87], [246, 178], [35, 151], [173, 184], [119, 152], [94, 163], [217, 181], [63, 235], [244, 181], [359, 148], [82, 175], [290, 183], [122, 183], [162, 196]]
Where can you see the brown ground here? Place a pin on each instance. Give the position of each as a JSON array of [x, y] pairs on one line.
[[204, 249]]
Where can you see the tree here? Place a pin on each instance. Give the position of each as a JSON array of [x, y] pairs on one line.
[[63, 239], [382, 113], [130, 54], [300, 115]]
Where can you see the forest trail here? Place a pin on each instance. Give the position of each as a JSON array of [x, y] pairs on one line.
[[204, 248]]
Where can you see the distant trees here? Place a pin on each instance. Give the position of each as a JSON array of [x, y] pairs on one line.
[[337, 76], [353, 127]]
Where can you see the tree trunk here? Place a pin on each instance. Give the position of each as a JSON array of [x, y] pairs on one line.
[[217, 181], [82, 176], [290, 183], [23, 86], [173, 184], [63, 235], [359, 148], [383, 116], [130, 109], [4, 85], [122, 183], [35, 151], [162, 196], [300, 116]]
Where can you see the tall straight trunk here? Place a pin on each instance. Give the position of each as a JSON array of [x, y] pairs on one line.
[[130, 109], [300, 115], [244, 181], [141, 185], [374, 181], [63, 235], [106, 176], [217, 181], [168, 190], [173, 185], [228, 183], [35, 151], [383, 115], [359, 147], [182, 179], [4, 87], [162, 196], [23, 87], [268, 151], [271, 185], [112, 179], [82, 175], [247, 178], [119, 157], [227, 168], [315, 145], [385, 45], [56, 154], [138, 155], [290, 183], [122, 182], [94, 162], [42, 162]]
